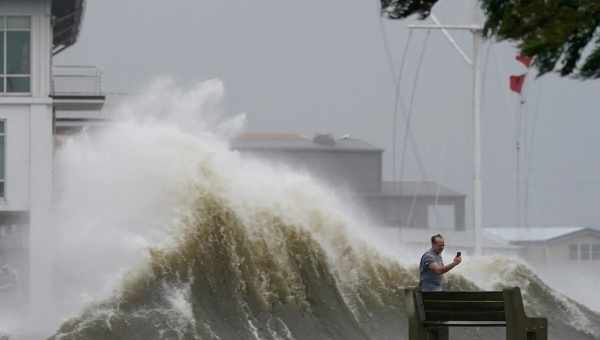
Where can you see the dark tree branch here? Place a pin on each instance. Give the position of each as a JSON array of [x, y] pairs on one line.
[[562, 35]]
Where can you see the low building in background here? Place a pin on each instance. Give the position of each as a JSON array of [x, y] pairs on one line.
[[355, 166], [548, 247], [566, 258], [407, 212], [347, 163], [416, 204]]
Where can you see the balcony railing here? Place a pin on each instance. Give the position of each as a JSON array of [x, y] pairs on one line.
[[76, 80]]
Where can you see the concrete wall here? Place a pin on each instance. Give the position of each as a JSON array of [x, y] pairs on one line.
[[357, 171]]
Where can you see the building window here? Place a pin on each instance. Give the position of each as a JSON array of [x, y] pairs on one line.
[[15, 54], [2, 158], [573, 252], [585, 250], [596, 252]]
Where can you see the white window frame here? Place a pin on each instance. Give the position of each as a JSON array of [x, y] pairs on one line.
[[589, 252], [576, 246], [4, 75]]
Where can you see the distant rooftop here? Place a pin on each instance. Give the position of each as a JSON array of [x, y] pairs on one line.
[[415, 188], [67, 16], [534, 234], [298, 142]]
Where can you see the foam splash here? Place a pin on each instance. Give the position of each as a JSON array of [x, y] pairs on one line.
[[171, 235], [179, 298], [496, 273]]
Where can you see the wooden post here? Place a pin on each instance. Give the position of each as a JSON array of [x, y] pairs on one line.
[[518, 325], [438, 333], [416, 330]]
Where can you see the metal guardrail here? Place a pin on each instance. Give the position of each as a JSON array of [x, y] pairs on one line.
[[76, 80]]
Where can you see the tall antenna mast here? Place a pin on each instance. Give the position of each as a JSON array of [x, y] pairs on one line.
[[476, 30]]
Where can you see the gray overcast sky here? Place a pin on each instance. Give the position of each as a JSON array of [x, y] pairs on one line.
[[320, 66]]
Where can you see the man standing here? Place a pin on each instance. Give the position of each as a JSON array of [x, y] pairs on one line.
[[432, 266]]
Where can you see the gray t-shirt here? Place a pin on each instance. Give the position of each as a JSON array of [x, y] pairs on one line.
[[428, 280]]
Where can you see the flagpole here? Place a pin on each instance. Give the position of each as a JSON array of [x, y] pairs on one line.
[[519, 122], [477, 196], [516, 85], [477, 32]]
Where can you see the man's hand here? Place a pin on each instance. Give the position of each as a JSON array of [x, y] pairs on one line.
[[457, 260]]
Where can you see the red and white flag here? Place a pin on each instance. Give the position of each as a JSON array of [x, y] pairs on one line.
[[525, 60]]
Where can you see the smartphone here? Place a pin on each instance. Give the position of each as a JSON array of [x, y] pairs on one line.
[[458, 254]]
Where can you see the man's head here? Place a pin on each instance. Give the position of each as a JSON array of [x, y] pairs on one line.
[[437, 243]]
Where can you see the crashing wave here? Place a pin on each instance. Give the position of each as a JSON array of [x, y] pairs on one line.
[[260, 277], [254, 251]]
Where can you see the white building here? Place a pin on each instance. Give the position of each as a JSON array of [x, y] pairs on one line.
[[31, 94], [566, 258], [575, 248]]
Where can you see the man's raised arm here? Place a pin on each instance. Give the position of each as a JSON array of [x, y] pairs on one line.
[[441, 269]]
